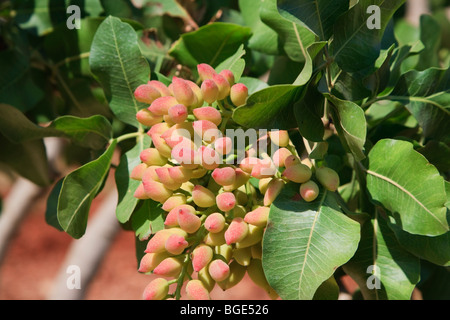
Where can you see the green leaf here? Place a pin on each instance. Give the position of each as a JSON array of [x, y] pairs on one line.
[[350, 124], [294, 38], [356, 87], [160, 77], [263, 39], [318, 15], [148, 219], [433, 249], [211, 44], [438, 153], [79, 189], [304, 243], [355, 47], [405, 33], [430, 35], [51, 212], [328, 290], [386, 111], [253, 84], [399, 56], [447, 191], [308, 113], [406, 184], [28, 159], [307, 72], [284, 70], [395, 270], [349, 193], [125, 185], [120, 67], [269, 108], [426, 95], [347, 87], [427, 38], [17, 86], [235, 63], [379, 79], [93, 132]]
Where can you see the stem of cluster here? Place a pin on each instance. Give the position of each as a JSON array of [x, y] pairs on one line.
[[196, 239], [292, 149], [309, 150], [180, 279], [228, 106], [223, 126], [248, 191], [129, 136], [187, 194], [224, 110], [209, 211]]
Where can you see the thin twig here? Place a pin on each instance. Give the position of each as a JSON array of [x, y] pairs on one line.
[[80, 56]]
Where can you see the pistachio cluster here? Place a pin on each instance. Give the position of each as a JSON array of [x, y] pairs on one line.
[[216, 210]]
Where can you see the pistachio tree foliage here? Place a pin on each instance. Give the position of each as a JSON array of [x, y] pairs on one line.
[[296, 141]]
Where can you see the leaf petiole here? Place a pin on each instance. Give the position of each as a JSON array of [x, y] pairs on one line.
[[180, 279], [129, 136]]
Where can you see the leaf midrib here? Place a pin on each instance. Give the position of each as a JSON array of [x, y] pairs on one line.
[[88, 195], [297, 35], [77, 209], [319, 19], [81, 129], [408, 193], [116, 45], [75, 212], [310, 238], [222, 45]]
